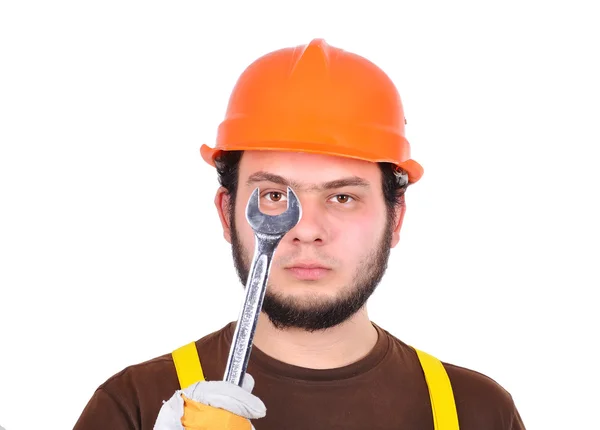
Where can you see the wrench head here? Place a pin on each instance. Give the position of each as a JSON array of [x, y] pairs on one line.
[[273, 225]]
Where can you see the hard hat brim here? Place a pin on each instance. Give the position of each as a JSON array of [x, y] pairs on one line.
[[413, 168]]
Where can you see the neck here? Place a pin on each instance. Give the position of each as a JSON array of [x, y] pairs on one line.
[[335, 347]]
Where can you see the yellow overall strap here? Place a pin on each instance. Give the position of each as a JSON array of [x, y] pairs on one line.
[[187, 365], [189, 371], [440, 392]]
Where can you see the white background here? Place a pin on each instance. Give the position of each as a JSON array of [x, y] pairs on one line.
[[110, 247]]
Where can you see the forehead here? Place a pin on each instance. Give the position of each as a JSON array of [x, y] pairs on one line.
[[306, 167]]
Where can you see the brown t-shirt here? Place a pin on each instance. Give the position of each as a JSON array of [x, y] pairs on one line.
[[384, 390]]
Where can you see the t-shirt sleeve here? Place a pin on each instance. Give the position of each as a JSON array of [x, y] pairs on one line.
[[103, 412], [517, 421]]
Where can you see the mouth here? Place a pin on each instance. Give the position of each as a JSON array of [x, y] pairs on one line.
[[308, 271]]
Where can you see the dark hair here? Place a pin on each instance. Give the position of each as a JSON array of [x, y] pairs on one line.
[[394, 181]]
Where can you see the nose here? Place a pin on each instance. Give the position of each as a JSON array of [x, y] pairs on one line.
[[311, 229]]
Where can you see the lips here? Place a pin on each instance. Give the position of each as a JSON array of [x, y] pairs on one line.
[[308, 271], [307, 266]]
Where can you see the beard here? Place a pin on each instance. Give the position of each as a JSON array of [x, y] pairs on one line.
[[319, 314]]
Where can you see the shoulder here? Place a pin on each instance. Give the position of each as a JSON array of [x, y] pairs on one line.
[[152, 371], [130, 397], [160, 370], [149, 383], [471, 386], [481, 401], [133, 397]]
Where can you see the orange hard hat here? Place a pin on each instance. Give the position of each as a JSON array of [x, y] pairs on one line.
[[320, 99]]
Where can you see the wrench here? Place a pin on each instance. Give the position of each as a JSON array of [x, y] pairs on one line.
[[268, 232]]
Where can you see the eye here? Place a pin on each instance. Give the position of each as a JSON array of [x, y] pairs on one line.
[[342, 198], [275, 196]]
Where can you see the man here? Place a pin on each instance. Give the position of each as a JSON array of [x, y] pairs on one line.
[[329, 124]]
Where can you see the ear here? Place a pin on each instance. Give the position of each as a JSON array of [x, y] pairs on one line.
[[222, 203], [400, 211]]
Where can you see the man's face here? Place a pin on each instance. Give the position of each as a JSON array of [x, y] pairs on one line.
[[329, 264]]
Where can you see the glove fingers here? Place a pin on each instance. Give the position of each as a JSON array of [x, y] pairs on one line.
[[169, 416], [224, 395]]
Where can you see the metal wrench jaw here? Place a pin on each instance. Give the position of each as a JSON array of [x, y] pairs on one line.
[[273, 225], [268, 231]]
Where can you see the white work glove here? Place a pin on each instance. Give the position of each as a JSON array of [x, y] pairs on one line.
[[220, 405]]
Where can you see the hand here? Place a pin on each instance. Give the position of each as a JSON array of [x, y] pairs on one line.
[[209, 405]]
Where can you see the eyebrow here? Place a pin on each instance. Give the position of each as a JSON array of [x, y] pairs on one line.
[[351, 181]]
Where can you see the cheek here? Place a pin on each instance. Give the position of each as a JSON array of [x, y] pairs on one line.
[[244, 231], [359, 232]]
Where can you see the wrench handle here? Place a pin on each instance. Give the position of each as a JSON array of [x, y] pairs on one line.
[[256, 286]]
